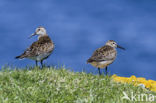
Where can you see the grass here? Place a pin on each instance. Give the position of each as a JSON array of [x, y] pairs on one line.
[[51, 85]]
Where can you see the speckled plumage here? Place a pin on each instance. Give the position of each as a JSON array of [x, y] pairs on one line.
[[105, 53], [104, 56], [43, 45], [39, 50]]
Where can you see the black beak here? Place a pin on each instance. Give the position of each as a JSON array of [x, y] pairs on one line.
[[32, 35], [120, 47]]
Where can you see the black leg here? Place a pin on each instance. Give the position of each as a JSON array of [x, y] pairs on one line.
[[42, 63], [106, 71], [36, 63], [99, 71]]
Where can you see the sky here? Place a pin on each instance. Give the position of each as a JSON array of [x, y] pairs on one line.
[[78, 28]]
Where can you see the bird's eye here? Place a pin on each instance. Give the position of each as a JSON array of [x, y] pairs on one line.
[[38, 29]]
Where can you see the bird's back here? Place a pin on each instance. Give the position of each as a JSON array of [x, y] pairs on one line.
[[104, 53], [43, 45]]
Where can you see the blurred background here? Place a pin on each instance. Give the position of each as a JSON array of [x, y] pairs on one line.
[[78, 27]]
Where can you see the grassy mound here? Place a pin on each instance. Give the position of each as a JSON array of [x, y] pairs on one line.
[[51, 85]]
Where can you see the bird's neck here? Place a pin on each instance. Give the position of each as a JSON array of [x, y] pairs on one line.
[[43, 35], [111, 46], [44, 39]]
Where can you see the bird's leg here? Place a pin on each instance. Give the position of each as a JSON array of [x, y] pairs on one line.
[[36, 63], [42, 63], [106, 70], [99, 71]]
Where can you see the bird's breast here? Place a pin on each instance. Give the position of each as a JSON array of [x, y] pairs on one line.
[[40, 57], [101, 64]]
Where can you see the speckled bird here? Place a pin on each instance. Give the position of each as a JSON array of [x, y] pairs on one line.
[[104, 56], [40, 49]]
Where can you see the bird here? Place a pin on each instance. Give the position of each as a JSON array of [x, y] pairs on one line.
[[104, 56], [40, 49]]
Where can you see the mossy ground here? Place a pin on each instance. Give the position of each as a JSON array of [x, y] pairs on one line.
[[51, 85]]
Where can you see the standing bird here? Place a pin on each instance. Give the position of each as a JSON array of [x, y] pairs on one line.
[[40, 49], [104, 56]]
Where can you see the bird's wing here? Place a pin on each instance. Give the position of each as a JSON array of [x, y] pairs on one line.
[[104, 53], [31, 51], [39, 47]]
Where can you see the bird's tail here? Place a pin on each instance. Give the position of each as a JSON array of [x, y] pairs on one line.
[[19, 57], [89, 60]]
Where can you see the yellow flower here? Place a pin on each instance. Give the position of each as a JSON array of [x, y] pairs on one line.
[[151, 84], [133, 78], [153, 87], [152, 81], [141, 81]]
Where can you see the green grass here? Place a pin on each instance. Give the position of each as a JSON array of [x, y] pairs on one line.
[[51, 85]]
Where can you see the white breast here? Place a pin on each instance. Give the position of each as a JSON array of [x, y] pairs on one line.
[[40, 57], [101, 64]]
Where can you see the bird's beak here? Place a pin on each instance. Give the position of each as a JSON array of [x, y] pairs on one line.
[[32, 35], [120, 47]]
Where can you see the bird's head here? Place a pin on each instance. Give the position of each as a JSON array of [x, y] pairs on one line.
[[40, 31], [113, 44]]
